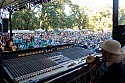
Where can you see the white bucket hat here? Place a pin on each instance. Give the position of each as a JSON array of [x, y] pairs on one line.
[[112, 46]]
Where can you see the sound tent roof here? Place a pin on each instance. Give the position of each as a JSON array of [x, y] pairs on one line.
[[5, 3]]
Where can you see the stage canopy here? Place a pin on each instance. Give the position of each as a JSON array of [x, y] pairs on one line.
[[5, 3]]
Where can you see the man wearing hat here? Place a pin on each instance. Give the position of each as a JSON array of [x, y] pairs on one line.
[[112, 70]]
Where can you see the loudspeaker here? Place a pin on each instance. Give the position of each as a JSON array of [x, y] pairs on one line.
[[119, 34], [0, 27], [5, 25]]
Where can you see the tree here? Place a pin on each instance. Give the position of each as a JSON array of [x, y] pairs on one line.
[[79, 18], [121, 19], [25, 19], [52, 16], [101, 19]]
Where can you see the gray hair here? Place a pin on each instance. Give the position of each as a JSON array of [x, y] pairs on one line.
[[113, 58]]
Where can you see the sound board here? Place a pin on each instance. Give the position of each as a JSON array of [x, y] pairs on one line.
[[37, 67]]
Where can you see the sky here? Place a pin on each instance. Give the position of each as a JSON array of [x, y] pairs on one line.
[[88, 3], [94, 4], [99, 3]]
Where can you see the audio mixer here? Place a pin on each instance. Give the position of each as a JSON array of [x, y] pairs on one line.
[[37, 67]]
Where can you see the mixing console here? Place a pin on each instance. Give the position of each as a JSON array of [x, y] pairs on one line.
[[34, 68]]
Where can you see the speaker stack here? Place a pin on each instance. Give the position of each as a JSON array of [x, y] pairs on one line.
[[5, 25]]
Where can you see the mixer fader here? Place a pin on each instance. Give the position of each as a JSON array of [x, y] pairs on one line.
[[37, 67]]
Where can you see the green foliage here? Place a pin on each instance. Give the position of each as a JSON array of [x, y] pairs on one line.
[[101, 19], [24, 19], [52, 16], [78, 17], [121, 19]]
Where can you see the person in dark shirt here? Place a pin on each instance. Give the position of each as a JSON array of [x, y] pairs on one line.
[[10, 45], [112, 68]]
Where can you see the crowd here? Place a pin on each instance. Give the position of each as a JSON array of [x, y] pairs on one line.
[[34, 40], [111, 69]]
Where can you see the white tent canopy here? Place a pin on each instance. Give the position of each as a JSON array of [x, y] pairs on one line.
[[40, 30], [69, 29], [76, 30], [84, 30], [21, 31]]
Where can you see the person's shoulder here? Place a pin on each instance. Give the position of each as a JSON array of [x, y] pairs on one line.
[[122, 65], [123, 61]]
